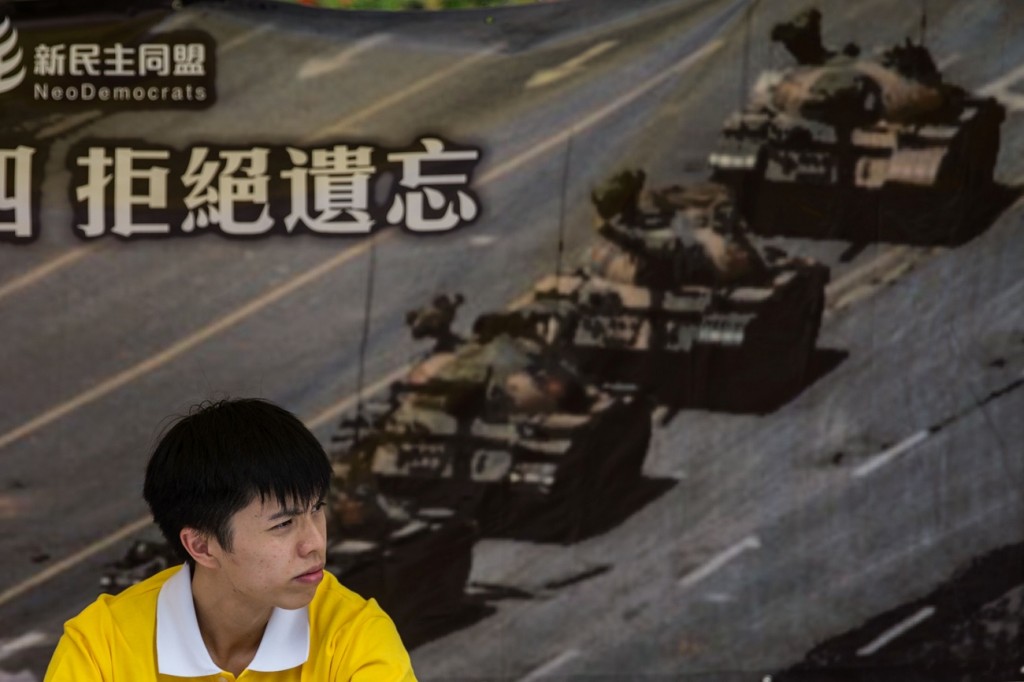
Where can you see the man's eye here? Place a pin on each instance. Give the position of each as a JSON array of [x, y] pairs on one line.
[[283, 524], [319, 506]]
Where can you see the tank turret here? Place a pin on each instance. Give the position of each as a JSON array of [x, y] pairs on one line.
[[862, 147], [683, 236]]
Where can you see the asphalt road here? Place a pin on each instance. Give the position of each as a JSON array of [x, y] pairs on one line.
[[758, 536]]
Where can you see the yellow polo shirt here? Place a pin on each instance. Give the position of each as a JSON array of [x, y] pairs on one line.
[[150, 632]]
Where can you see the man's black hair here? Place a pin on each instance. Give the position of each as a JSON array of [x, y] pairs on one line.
[[216, 460]]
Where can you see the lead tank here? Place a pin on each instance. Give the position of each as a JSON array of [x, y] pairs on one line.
[[499, 425], [864, 148], [676, 299]]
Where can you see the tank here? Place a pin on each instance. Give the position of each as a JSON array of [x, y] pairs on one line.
[[865, 148], [504, 428], [385, 547], [674, 298]]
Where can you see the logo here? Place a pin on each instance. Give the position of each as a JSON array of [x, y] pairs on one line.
[[10, 74], [174, 70]]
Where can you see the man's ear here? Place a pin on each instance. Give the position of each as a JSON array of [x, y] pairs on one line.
[[199, 546]]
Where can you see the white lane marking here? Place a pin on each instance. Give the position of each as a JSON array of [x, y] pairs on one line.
[[1001, 89], [26, 641], [179, 347], [318, 66], [244, 38], [719, 598], [886, 456], [897, 630], [569, 67], [342, 125], [719, 560], [558, 139], [948, 61], [482, 240], [552, 665]]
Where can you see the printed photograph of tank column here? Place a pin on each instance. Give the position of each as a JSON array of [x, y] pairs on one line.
[[663, 340]]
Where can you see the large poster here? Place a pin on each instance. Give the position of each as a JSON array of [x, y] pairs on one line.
[[662, 340]]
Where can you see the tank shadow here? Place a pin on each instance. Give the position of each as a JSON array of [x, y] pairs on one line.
[[822, 362], [916, 217], [473, 610], [549, 525], [972, 632], [617, 511]]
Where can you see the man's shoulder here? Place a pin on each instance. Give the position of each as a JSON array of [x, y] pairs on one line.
[[356, 635], [134, 609], [337, 606], [331, 594]]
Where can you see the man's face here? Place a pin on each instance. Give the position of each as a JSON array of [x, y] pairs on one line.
[[277, 553]]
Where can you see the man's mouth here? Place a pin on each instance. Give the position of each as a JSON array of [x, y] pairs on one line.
[[312, 575]]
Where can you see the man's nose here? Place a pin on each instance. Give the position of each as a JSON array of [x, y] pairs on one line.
[[313, 538]]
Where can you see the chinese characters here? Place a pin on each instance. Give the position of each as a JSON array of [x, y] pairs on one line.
[[342, 189], [18, 188], [118, 60]]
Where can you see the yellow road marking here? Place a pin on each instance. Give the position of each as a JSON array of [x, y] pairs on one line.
[[561, 137], [569, 68], [344, 123], [318, 66], [854, 275], [243, 38], [45, 269], [67, 562], [191, 341]]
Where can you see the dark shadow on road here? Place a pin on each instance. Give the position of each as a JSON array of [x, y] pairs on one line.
[[616, 512], [971, 632], [986, 211], [472, 611], [549, 526], [822, 363], [913, 216]]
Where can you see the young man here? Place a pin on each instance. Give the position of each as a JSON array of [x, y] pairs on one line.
[[239, 488]]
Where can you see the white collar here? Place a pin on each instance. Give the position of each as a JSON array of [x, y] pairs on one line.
[[180, 650]]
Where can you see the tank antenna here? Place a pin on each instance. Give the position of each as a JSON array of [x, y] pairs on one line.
[[561, 210], [745, 66], [924, 20], [365, 336]]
